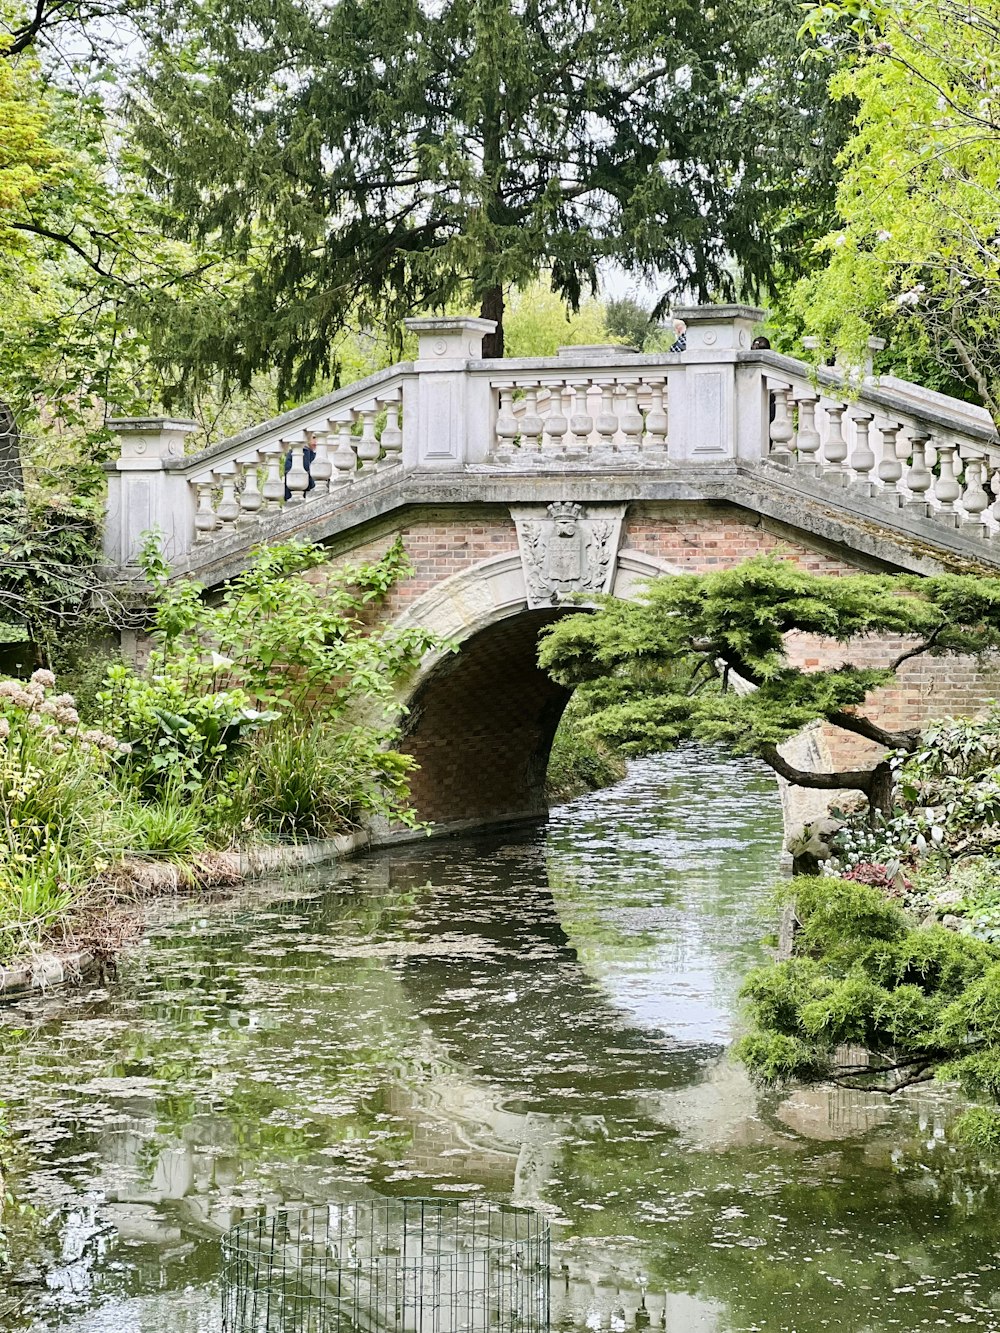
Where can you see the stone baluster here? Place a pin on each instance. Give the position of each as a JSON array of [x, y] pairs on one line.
[[392, 434], [250, 496], [531, 422], [322, 467], [606, 421], [581, 423], [507, 429], [345, 460], [918, 476], [556, 424], [273, 489], [994, 486], [781, 431], [975, 501], [807, 439], [946, 487], [835, 448], [369, 451], [862, 456], [206, 520], [656, 417], [630, 418], [228, 508], [296, 478], [890, 469]]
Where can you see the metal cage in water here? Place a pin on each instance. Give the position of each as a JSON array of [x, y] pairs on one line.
[[388, 1266]]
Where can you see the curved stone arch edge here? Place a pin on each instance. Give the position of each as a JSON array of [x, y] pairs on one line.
[[493, 590]]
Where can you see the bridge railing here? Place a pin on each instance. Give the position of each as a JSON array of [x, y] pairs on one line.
[[588, 409], [921, 453]]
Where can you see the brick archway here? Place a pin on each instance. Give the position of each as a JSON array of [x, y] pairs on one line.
[[480, 722]]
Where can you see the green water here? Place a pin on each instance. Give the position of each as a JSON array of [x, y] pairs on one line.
[[540, 1017]]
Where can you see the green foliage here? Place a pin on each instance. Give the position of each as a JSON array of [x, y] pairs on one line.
[[649, 672], [275, 648], [59, 808], [628, 320], [302, 781], [269, 714], [403, 157], [275, 704], [48, 575], [946, 810], [915, 253], [172, 826], [918, 999], [579, 762]]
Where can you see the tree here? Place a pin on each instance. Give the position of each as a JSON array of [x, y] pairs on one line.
[[919, 1000], [916, 254], [703, 656], [387, 156], [628, 320]]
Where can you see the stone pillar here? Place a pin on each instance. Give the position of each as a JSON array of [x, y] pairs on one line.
[[708, 420], [453, 421], [143, 494]]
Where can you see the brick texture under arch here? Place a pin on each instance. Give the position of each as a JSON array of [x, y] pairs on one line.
[[481, 725]]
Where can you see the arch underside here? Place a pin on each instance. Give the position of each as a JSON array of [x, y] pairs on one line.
[[480, 722], [481, 727]]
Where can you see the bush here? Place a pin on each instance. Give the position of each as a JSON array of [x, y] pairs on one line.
[[300, 781], [920, 1000], [275, 705], [579, 761], [60, 809]]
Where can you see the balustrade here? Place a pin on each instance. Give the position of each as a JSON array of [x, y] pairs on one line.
[[586, 410], [618, 419], [945, 479], [293, 468]]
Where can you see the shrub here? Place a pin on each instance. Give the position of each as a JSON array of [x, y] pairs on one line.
[[920, 1000], [277, 702], [579, 761], [60, 811]]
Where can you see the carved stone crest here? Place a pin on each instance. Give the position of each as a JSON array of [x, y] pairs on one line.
[[567, 548]]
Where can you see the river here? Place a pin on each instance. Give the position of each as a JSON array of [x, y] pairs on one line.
[[539, 1016]]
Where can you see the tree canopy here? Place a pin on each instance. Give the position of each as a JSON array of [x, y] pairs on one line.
[[385, 156], [915, 253], [705, 656]]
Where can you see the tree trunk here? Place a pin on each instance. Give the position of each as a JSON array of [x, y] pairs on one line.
[[11, 473], [492, 308], [880, 792]]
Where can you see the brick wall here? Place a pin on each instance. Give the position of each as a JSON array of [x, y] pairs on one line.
[[482, 724]]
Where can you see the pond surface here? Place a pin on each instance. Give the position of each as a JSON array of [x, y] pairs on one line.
[[539, 1017]]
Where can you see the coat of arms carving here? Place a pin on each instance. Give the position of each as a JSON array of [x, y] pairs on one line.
[[567, 548]]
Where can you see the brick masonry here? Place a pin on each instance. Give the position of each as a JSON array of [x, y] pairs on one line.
[[481, 725]]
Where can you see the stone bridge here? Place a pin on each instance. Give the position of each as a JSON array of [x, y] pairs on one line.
[[515, 482]]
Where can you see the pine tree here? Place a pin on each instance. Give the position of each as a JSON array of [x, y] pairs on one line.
[[703, 656], [369, 158]]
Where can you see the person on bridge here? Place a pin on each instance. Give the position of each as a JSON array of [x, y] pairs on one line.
[[681, 341]]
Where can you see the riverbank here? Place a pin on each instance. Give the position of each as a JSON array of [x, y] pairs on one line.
[[91, 938]]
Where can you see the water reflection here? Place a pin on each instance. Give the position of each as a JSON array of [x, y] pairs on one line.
[[540, 1018]]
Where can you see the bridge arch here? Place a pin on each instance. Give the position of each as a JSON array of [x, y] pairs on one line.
[[480, 721]]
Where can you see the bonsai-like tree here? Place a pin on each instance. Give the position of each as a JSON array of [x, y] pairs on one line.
[[705, 657]]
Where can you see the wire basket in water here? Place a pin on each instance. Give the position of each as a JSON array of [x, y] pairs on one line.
[[388, 1266]]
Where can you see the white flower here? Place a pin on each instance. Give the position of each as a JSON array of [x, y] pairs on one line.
[[43, 678], [884, 235]]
